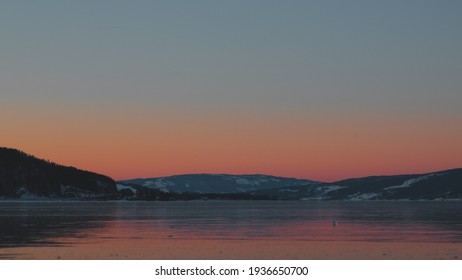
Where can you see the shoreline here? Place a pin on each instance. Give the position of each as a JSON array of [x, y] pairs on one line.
[[2, 199]]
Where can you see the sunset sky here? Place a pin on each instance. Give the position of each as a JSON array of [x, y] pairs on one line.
[[322, 90]]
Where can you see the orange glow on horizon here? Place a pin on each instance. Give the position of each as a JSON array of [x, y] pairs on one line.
[[317, 146]]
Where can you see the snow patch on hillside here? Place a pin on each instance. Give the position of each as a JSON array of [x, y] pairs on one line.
[[289, 190], [122, 187], [363, 196], [331, 188], [251, 180], [25, 194], [243, 181], [160, 183], [410, 182]]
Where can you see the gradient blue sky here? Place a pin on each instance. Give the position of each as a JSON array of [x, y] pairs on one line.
[[136, 71]]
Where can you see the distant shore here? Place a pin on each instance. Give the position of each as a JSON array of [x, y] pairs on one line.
[[217, 199]]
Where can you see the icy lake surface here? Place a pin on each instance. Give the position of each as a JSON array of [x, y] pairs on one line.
[[43, 224]]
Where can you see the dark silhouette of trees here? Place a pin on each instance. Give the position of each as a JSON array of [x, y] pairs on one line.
[[22, 173], [155, 194]]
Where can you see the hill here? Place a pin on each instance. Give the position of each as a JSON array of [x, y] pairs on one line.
[[25, 176], [440, 185], [213, 183]]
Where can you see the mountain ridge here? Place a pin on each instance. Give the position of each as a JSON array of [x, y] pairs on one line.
[[25, 176], [439, 185], [215, 183]]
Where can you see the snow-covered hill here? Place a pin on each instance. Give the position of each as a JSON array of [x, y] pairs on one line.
[[214, 183], [432, 186]]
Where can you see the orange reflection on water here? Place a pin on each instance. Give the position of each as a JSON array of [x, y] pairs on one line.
[[318, 240], [231, 230]]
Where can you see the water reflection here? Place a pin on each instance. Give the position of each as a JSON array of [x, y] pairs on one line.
[[48, 223], [71, 223]]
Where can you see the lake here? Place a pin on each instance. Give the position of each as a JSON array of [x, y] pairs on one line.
[[203, 229]]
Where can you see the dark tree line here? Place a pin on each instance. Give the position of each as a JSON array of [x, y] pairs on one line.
[[22, 172], [155, 194]]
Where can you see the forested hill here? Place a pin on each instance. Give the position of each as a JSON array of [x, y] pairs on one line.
[[441, 185], [25, 176]]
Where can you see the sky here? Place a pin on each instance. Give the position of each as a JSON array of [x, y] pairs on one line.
[[323, 90]]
